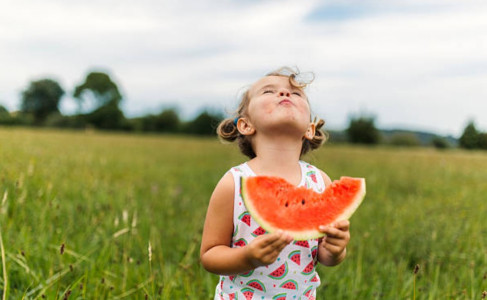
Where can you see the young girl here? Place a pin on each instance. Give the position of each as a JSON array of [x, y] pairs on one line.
[[273, 128]]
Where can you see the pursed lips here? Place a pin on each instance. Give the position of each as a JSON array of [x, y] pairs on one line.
[[286, 101]]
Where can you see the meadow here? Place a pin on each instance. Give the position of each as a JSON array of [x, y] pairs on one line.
[[89, 215]]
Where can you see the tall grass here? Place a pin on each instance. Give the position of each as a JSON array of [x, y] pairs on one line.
[[102, 198]]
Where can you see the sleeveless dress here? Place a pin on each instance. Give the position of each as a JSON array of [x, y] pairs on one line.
[[293, 274]]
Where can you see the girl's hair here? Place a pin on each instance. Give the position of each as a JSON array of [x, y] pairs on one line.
[[227, 129]]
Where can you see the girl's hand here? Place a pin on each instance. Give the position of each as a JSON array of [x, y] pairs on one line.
[[332, 248], [265, 249]]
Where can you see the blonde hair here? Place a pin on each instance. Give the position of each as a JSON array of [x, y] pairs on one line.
[[227, 129]]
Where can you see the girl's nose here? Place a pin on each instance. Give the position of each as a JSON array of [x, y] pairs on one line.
[[284, 93]]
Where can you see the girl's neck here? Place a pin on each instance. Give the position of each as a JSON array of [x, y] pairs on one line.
[[277, 156]]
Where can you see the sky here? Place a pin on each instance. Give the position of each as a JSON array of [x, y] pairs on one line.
[[412, 64]]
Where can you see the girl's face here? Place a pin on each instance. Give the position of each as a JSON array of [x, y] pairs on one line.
[[276, 105]]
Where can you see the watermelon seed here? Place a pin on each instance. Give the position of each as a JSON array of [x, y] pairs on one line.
[[287, 204], [302, 201]]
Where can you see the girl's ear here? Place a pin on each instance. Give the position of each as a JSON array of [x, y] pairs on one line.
[[245, 127], [310, 132]]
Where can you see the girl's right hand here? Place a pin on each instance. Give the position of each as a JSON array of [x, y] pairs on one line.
[[265, 249]]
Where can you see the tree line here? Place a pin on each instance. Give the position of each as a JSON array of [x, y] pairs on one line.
[[362, 130], [41, 98], [39, 106]]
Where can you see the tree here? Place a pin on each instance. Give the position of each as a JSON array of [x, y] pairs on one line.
[[166, 121], [100, 89], [3, 111], [440, 143], [470, 137], [204, 124], [5, 118], [108, 116], [362, 130], [482, 140], [41, 98]]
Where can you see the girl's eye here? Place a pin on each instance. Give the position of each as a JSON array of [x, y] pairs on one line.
[[268, 92], [297, 93]]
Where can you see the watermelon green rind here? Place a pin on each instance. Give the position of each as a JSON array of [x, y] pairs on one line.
[[279, 296], [355, 202], [311, 233]]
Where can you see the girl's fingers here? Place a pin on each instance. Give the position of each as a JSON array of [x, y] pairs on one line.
[[277, 240], [343, 225], [283, 240], [334, 232], [334, 242], [333, 248], [269, 239]]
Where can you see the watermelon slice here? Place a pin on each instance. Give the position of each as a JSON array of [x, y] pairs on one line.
[[280, 272], [256, 284], [289, 284], [245, 218], [276, 204], [304, 244], [240, 243], [280, 296], [248, 293], [308, 269], [258, 231], [308, 292], [295, 257]]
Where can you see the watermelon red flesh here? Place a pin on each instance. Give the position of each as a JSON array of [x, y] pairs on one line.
[[276, 204], [295, 257], [280, 272], [258, 231], [248, 293], [308, 269]]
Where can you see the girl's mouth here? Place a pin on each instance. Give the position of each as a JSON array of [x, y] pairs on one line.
[[286, 102]]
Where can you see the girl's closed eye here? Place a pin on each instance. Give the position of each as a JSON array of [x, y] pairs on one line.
[[268, 92], [297, 94]]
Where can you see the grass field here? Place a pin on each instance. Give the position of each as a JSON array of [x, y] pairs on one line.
[[78, 211]]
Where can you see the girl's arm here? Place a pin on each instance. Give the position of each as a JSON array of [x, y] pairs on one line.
[[216, 254]]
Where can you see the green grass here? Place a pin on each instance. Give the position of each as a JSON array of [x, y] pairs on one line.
[[106, 196]]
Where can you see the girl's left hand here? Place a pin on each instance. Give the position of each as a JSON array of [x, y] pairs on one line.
[[333, 245]]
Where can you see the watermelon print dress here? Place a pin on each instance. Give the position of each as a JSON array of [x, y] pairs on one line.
[[292, 275]]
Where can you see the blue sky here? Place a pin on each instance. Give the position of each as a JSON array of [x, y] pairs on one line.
[[413, 64]]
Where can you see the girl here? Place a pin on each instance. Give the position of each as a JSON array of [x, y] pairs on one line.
[[273, 128]]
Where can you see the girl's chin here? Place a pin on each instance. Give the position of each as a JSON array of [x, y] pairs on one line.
[[288, 125]]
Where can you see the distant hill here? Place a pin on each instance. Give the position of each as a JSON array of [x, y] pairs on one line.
[[424, 138]]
